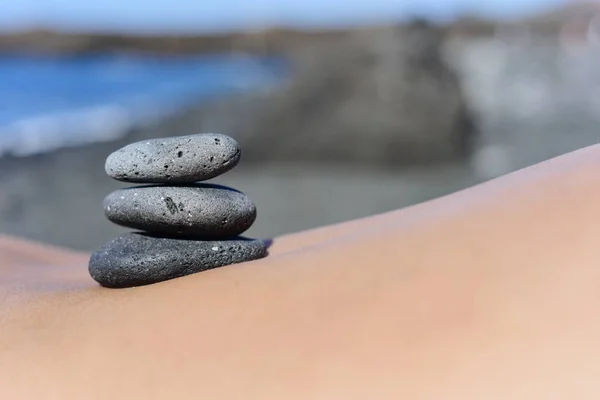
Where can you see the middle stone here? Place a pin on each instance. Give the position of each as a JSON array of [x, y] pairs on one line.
[[201, 210]]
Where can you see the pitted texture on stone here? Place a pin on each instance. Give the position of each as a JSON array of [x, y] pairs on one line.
[[137, 259], [203, 210], [181, 159]]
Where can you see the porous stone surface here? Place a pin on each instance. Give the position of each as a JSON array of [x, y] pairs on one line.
[[176, 160], [203, 210], [137, 259]]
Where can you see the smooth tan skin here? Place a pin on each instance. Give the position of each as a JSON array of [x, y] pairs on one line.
[[490, 293]]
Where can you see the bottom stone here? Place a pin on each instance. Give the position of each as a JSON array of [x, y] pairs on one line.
[[137, 259]]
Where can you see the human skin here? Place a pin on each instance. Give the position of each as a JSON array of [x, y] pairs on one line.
[[489, 293]]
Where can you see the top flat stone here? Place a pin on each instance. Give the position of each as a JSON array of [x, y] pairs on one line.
[[180, 159]]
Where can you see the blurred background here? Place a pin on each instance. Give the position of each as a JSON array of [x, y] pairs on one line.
[[343, 108]]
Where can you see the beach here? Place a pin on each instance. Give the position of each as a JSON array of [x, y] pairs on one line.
[[56, 197], [531, 100]]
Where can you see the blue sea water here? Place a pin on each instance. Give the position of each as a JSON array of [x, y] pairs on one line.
[[50, 102]]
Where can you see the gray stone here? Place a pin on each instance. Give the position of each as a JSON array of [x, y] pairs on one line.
[[137, 259], [180, 159], [203, 210]]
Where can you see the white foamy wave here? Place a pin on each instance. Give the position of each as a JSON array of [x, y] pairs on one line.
[[50, 132], [35, 126]]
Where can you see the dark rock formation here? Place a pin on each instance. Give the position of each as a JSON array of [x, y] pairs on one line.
[[381, 97]]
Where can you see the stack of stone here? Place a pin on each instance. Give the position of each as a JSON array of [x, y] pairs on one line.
[[188, 227]]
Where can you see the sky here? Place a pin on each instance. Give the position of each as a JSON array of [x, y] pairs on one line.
[[219, 15]]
